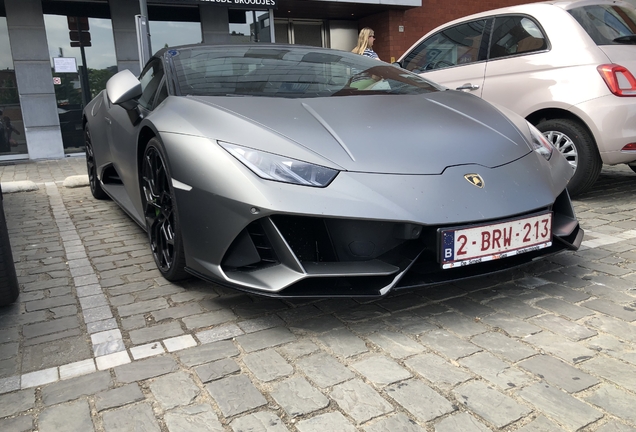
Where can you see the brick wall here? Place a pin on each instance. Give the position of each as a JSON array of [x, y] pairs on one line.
[[418, 21]]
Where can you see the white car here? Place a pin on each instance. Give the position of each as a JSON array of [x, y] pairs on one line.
[[566, 66]]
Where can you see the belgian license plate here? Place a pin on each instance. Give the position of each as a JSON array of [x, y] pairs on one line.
[[474, 244]]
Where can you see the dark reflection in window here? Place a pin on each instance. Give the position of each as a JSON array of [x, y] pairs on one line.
[[12, 137], [101, 64], [249, 26], [516, 35], [280, 72], [458, 45], [607, 24]]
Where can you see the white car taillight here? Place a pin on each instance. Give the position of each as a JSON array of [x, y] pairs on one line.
[[619, 79]]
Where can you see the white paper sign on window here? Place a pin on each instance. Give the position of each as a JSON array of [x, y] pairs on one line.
[[65, 64]]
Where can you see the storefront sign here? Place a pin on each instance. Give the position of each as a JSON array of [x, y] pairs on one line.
[[234, 4]]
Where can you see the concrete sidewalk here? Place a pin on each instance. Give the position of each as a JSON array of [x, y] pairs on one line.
[[43, 171], [99, 341]]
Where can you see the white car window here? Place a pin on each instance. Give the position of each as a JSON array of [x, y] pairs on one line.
[[512, 35], [607, 24], [454, 46]]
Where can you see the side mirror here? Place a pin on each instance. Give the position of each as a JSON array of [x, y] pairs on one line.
[[397, 63], [123, 89]]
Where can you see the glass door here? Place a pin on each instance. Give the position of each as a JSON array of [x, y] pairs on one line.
[[301, 32], [308, 33]]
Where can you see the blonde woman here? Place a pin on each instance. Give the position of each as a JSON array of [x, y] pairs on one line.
[[365, 43]]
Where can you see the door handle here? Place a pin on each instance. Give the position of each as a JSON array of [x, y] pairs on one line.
[[468, 86], [108, 120]]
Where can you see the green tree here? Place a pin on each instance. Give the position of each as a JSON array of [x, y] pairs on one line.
[[97, 78], [9, 93], [68, 91]]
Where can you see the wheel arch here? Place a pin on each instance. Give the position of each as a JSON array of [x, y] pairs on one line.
[[146, 133], [558, 113], [584, 148], [175, 269]]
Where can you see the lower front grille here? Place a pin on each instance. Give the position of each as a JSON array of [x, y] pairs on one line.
[[262, 244], [299, 256], [251, 250]]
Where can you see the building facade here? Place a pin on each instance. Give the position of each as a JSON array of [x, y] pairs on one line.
[[57, 54]]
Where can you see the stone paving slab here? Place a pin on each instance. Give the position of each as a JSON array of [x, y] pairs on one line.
[[99, 341]]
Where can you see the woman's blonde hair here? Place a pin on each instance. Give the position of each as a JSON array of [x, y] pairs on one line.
[[363, 40]]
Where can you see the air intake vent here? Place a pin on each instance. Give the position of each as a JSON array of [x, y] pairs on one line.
[[262, 244], [250, 251]]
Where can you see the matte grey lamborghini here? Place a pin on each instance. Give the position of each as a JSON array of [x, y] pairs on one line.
[[296, 171]]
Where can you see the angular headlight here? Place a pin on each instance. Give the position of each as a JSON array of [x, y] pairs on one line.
[[539, 143], [278, 168]]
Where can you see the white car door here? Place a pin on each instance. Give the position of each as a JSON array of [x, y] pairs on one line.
[[454, 57], [521, 70]]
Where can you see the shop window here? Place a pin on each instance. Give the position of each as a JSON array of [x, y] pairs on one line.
[[282, 31], [12, 137], [173, 33], [301, 32], [101, 64], [249, 26], [308, 33]]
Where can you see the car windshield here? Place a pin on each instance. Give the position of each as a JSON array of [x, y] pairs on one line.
[[290, 72], [607, 24]]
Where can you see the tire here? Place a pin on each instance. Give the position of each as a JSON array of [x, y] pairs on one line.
[[632, 167], [160, 212], [91, 168], [574, 142], [9, 289]]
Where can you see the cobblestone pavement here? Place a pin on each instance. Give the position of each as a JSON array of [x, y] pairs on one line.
[[99, 341]]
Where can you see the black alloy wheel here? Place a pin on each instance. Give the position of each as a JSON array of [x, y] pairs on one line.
[[91, 168], [160, 212]]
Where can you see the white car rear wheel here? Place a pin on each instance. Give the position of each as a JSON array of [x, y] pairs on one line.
[[574, 142]]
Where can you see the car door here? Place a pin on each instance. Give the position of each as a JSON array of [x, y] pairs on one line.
[[124, 130], [520, 70], [454, 57]]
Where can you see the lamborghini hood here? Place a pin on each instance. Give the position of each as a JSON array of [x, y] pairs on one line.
[[399, 134]]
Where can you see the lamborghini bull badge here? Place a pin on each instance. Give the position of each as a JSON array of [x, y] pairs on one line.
[[475, 180]]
